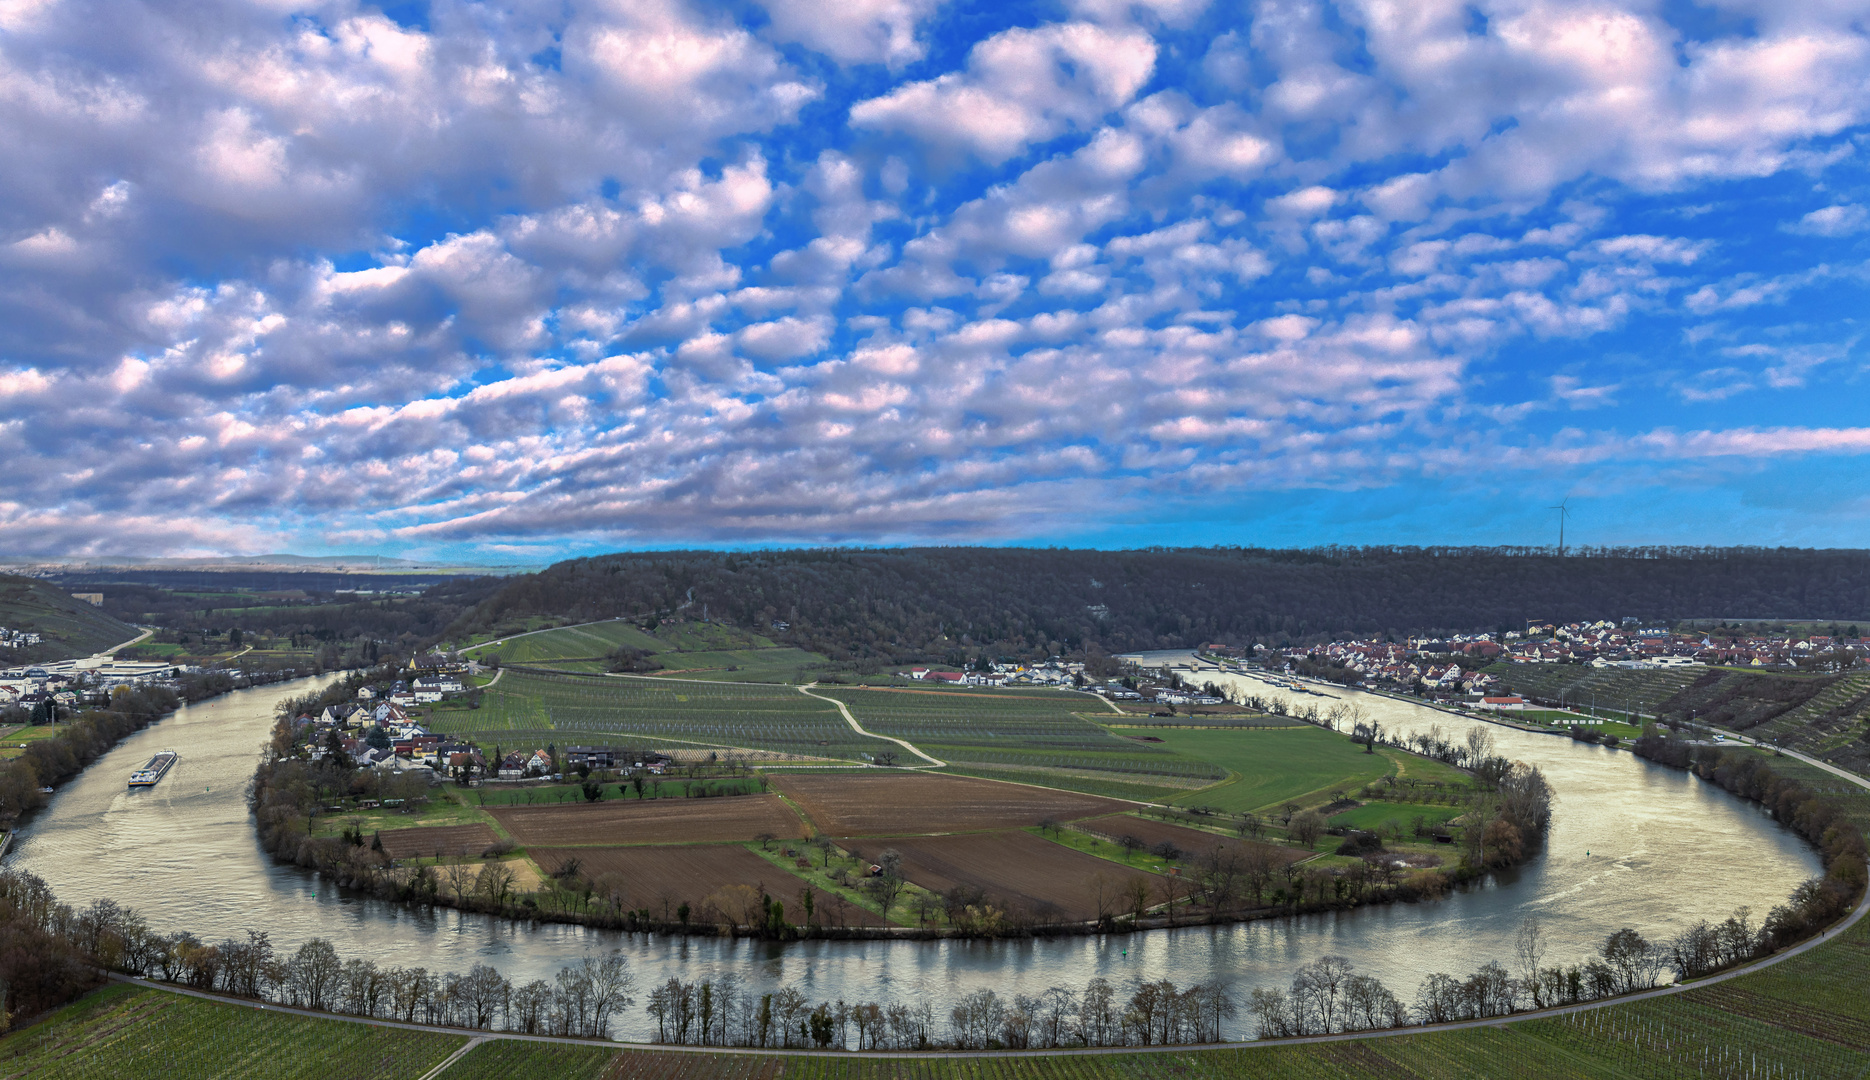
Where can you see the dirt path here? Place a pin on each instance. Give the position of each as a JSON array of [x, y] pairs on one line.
[[933, 763]]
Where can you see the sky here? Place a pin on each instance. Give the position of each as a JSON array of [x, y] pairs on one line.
[[514, 281]]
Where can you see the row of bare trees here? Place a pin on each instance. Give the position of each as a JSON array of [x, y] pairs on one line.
[[581, 1000], [720, 1012], [1328, 995]]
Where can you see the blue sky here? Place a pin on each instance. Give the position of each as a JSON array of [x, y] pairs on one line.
[[513, 281]]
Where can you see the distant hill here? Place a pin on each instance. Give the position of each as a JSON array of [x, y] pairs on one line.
[[951, 603], [69, 627]]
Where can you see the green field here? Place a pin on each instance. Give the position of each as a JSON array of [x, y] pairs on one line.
[[1042, 733], [1378, 815], [685, 651], [527, 707], [123, 1033], [1273, 766]]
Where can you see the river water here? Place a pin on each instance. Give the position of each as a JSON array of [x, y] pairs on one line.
[[1632, 844]]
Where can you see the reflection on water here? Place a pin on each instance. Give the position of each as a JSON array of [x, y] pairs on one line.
[[1632, 844]]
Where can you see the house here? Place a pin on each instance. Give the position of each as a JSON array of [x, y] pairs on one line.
[[512, 766], [598, 757], [539, 764], [1503, 703]]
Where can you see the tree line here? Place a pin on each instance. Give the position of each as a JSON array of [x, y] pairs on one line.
[[56, 952], [1819, 820], [81, 738], [1328, 995], [720, 1012], [955, 604]]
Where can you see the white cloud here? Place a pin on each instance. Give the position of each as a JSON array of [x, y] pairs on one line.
[[853, 31], [1020, 87], [1842, 219]]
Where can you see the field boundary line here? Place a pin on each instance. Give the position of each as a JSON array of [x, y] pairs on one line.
[[844, 711], [452, 1058]]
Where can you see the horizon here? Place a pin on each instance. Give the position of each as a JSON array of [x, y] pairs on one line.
[[473, 283]]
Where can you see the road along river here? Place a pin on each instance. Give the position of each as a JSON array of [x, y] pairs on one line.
[[1632, 844]]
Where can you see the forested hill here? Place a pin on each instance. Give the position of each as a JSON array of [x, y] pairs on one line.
[[936, 603], [67, 626]]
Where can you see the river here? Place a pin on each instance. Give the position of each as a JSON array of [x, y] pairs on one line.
[[1632, 844]]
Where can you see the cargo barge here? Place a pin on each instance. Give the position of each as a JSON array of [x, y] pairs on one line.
[[148, 775]]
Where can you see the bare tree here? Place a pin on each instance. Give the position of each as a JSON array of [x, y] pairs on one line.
[[1529, 951], [1306, 827]]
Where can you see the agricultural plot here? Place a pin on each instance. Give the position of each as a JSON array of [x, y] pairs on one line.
[[504, 1059], [709, 879], [1276, 765], [1193, 843], [1376, 816], [602, 710], [1019, 873], [440, 840], [1033, 730], [899, 804], [694, 651], [651, 821], [124, 1033], [570, 643]]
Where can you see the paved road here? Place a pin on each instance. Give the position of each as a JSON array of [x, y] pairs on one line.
[[112, 651]]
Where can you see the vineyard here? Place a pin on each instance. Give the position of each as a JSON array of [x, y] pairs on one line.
[[126, 1034], [503, 1059], [528, 706], [697, 650], [1029, 732]]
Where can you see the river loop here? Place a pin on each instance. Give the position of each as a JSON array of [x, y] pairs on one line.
[[1632, 844]]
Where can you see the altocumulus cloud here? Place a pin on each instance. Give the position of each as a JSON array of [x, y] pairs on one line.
[[471, 275]]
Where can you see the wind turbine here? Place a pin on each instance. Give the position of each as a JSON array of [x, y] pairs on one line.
[[1563, 513]]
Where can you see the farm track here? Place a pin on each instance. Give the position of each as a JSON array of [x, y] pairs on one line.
[[844, 710]]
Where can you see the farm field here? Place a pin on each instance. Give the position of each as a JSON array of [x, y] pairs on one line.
[[662, 878], [651, 821], [505, 1059], [1194, 843], [527, 707], [1018, 872], [1373, 816], [126, 1033], [437, 840], [891, 804], [697, 650], [1033, 730], [1278, 765]]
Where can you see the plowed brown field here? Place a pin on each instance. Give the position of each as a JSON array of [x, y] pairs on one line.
[[652, 821], [1193, 842], [1017, 871], [663, 878], [904, 804], [442, 839]]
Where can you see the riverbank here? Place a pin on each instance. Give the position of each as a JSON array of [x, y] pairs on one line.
[[1799, 1013], [163, 847]]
